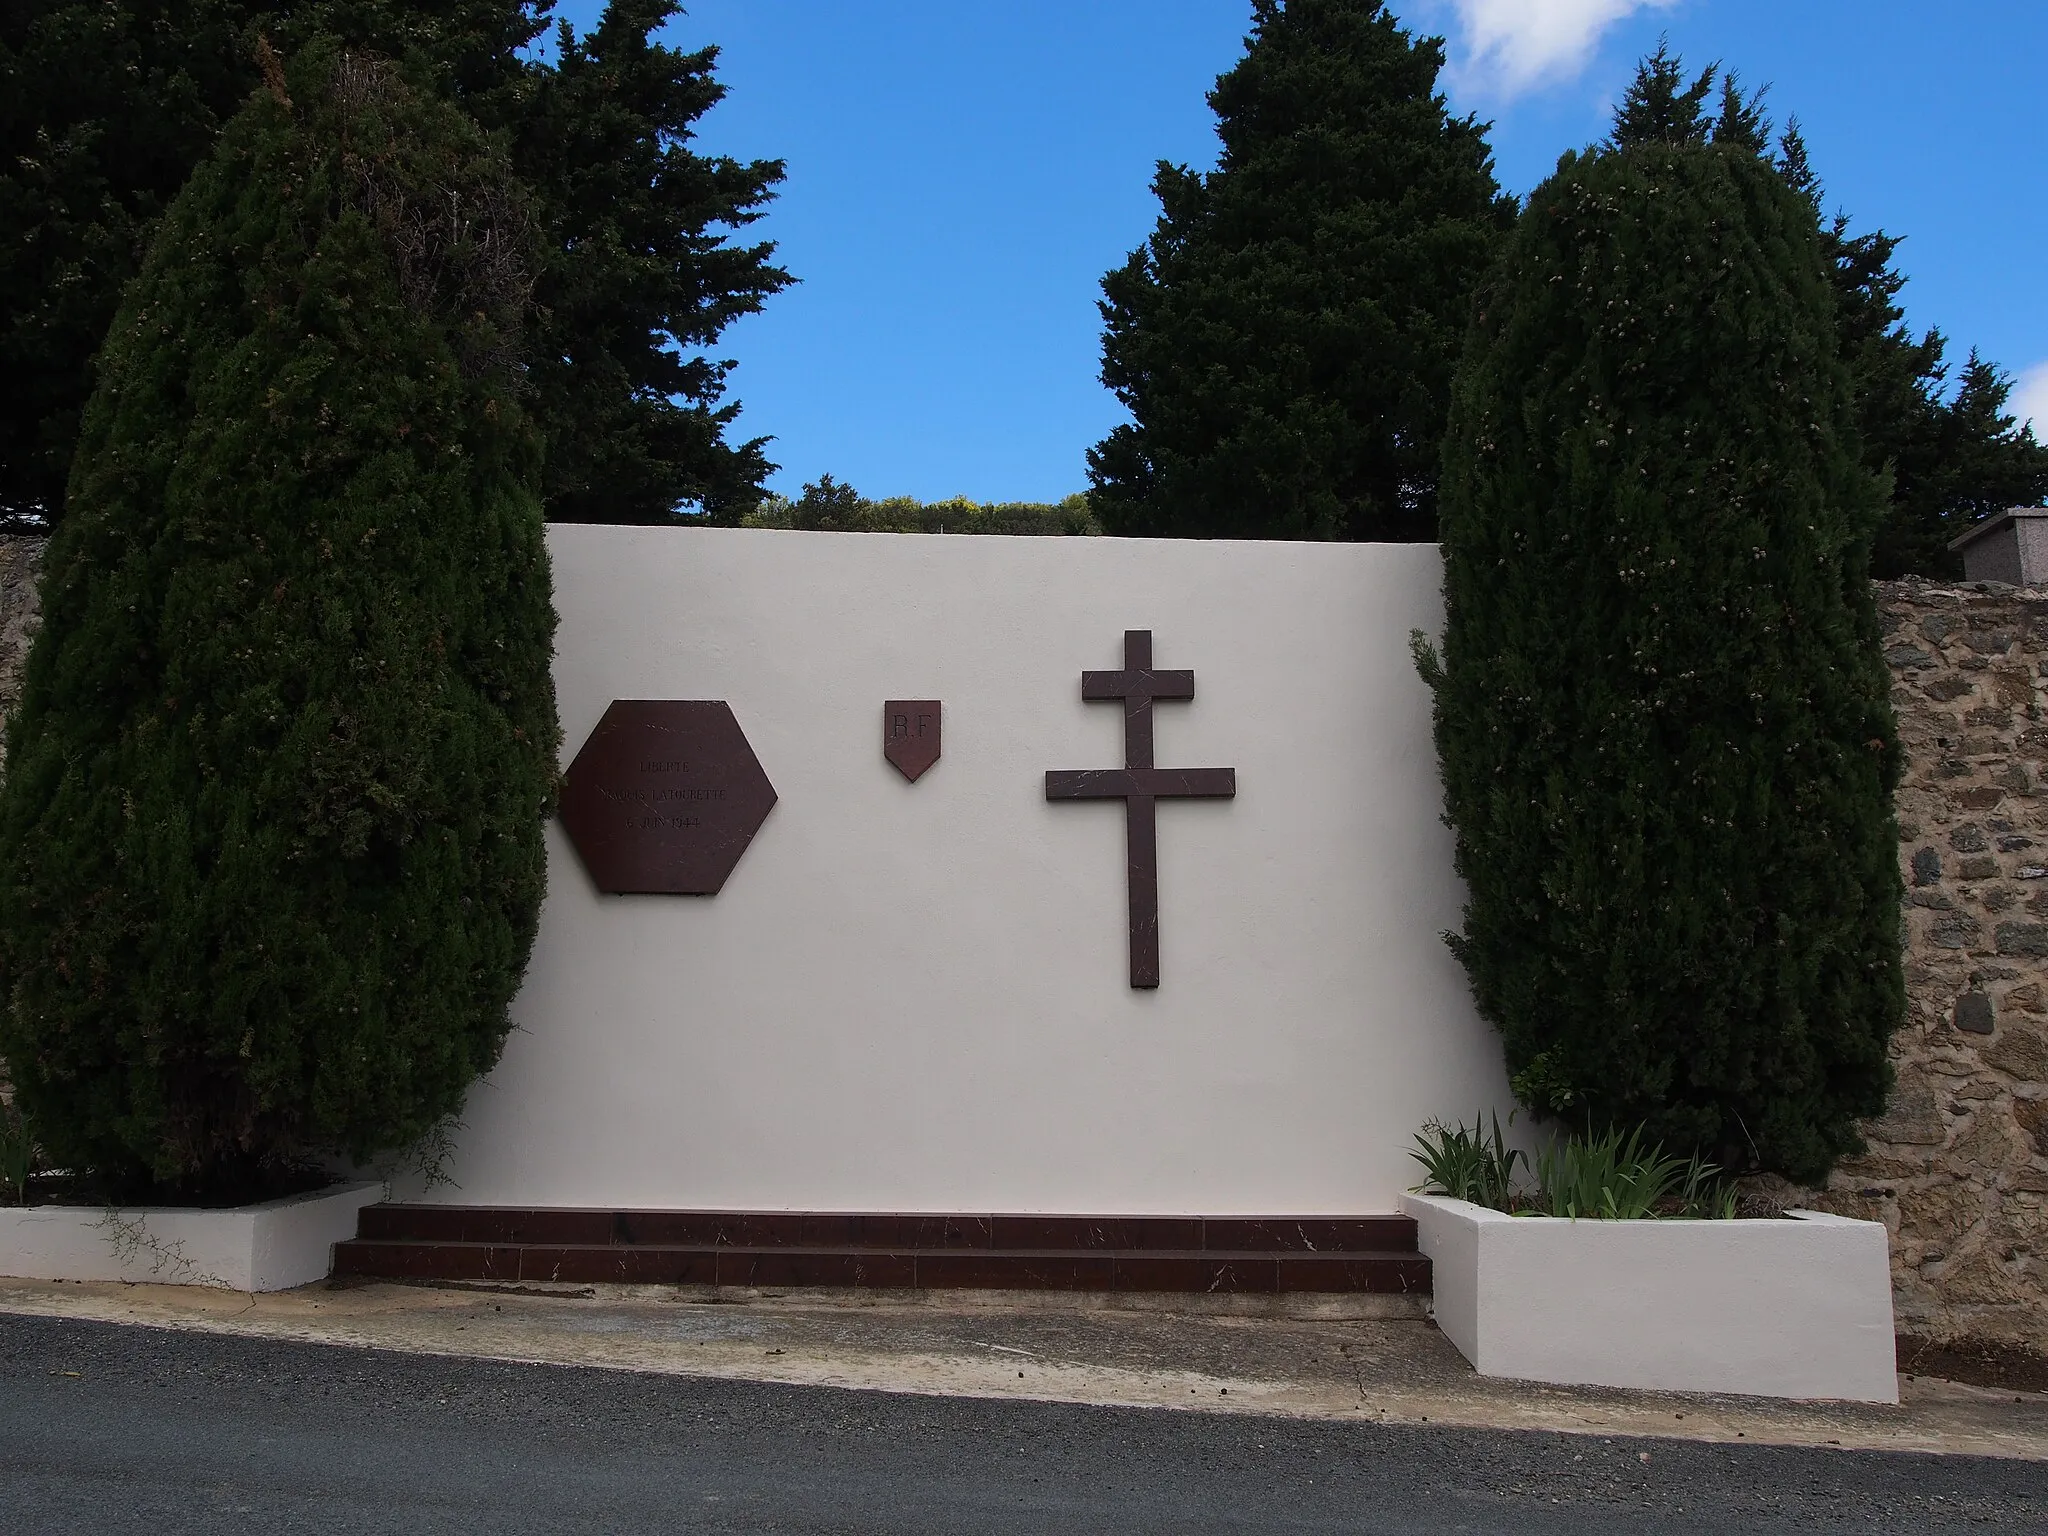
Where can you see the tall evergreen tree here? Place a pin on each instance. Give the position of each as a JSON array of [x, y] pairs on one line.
[[106, 107], [270, 834], [640, 276], [1285, 340], [1950, 459], [1667, 745]]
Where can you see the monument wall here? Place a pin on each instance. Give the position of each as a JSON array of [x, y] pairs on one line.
[[917, 995]]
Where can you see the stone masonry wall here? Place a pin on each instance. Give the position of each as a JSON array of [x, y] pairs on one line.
[[21, 559], [1958, 1166]]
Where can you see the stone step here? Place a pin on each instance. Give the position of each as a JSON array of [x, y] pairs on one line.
[[895, 1233], [1209, 1270]]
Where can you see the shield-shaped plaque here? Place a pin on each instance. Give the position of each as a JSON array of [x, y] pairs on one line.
[[910, 735]]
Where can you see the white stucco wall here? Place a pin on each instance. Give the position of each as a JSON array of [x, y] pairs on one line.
[[914, 997]]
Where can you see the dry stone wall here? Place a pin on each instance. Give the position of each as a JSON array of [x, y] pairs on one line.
[[1958, 1166], [21, 559]]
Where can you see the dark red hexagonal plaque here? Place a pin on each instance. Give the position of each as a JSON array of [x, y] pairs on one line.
[[664, 797]]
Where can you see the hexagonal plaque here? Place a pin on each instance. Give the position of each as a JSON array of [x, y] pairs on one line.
[[664, 797]]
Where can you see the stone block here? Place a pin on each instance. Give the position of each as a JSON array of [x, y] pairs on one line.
[[1990, 1143], [1911, 1119], [2032, 1118], [1978, 1279], [2025, 999], [2012, 688], [2019, 1052], [1939, 1215], [1946, 687], [1974, 1013], [1959, 930], [2021, 939]]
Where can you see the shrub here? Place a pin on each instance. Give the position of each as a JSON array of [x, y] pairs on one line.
[[270, 837], [1663, 718], [832, 506]]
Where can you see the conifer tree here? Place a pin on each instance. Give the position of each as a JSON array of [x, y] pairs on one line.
[[1285, 339], [270, 834], [1951, 459], [1667, 744], [106, 106]]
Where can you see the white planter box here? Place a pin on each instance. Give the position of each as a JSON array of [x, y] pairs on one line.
[[268, 1247], [1800, 1307]]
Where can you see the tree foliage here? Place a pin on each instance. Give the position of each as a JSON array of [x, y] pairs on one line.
[[106, 107], [270, 834], [1285, 340], [1952, 457], [832, 506], [1667, 745]]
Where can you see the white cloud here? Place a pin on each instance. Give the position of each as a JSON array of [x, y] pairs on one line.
[[1510, 46], [2030, 399]]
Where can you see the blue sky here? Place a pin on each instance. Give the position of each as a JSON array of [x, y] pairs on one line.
[[960, 176]]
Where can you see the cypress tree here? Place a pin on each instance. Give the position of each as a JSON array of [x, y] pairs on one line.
[[107, 105], [1664, 723], [270, 835], [1285, 340]]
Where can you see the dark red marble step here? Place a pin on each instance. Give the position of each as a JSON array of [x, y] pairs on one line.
[[889, 1232], [1206, 1270]]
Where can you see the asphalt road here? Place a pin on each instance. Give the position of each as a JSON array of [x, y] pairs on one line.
[[111, 1429]]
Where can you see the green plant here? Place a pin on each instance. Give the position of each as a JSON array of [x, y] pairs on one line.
[[1704, 1194], [271, 853], [1662, 709], [1612, 1176], [1617, 1176], [20, 1157], [1476, 1164]]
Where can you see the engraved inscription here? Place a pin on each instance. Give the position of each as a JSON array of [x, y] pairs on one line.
[[910, 735], [647, 817]]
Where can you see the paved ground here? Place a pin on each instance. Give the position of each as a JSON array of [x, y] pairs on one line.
[[117, 1429], [1031, 1347]]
